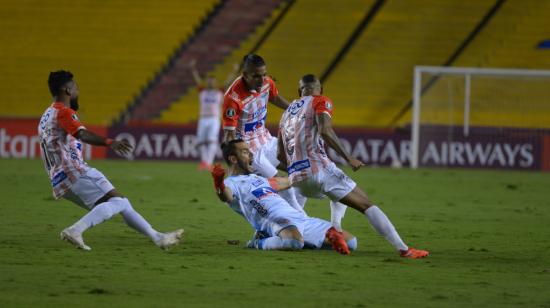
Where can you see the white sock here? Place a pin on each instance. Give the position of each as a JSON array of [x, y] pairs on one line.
[[290, 196], [212, 148], [277, 243], [204, 152], [99, 214], [138, 223], [382, 225], [337, 212]]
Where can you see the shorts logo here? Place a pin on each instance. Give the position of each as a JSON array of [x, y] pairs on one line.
[[230, 112]]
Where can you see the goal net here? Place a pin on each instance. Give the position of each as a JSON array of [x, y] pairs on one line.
[[474, 117]]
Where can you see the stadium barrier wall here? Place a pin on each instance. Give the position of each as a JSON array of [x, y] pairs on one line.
[[482, 149], [520, 150], [19, 139]]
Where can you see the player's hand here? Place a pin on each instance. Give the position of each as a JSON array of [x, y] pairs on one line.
[[218, 174], [355, 164], [121, 147]]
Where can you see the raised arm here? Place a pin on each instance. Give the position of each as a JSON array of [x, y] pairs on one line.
[[329, 136], [224, 193], [281, 156], [195, 72], [279, 183]]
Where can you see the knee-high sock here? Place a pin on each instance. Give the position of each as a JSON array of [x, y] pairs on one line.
[[277, 243], [99, 214], [290, 196], [212, 149], [203, 152], [137, 222], [337, 212], [383, 225]]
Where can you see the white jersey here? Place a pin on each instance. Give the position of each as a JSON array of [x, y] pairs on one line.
[[259, 203], [60, 150], [304, 147], [211, 102]]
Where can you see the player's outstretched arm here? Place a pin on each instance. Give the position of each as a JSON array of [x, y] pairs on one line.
[[224, 193], [121, 147], [195, 72], [330, 137], [279, 183], [280, 102]]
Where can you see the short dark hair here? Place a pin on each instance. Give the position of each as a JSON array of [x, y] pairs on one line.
[[309, 78], [57, 80], [253, 59], [228, 149]]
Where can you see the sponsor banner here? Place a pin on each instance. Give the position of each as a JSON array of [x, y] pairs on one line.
[[159, 142], [482, 149], [19, 139]]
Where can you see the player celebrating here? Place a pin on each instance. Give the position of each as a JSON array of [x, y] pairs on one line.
[[208, 128], [244, 115], [60, 133], [309, 168], [256, 199]]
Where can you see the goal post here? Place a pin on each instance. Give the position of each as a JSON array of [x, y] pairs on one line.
[[461, 116]]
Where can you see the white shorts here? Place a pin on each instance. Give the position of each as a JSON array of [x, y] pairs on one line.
[[265, 160], [313, 229], [331, 182], [89, 188], [208, 130]]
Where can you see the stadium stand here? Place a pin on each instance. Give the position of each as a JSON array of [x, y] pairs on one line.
[[305, 41], [113, 48], [374, 79], [225, 30]]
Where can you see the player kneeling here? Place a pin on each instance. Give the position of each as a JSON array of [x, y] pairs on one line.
[[278, 225]]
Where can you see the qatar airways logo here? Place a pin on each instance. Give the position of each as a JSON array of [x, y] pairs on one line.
[[453, 154]]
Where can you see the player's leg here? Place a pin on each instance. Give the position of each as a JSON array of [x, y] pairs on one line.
[[202, 132], [212, 139], [337, 212], [338, 186], [288, 238], [358, 200], [319, 233]]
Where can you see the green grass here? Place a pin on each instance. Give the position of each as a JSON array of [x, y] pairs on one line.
[[488, 233]]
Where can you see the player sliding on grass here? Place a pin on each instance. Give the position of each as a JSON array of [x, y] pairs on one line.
[[303, 129], [60, 133], [255, 198]]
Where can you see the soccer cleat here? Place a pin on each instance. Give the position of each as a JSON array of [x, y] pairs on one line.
[[74, 238], [253, 243], [414, 253], [337, 240], [169, 239]]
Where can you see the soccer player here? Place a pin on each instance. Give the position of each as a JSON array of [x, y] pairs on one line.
[[208, 128], [244, 115], [304, 128], [255, 198], [61, 133]]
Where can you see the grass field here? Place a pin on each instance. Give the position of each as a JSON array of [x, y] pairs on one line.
[[488, 233]]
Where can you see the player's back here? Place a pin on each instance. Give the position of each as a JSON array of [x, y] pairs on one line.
[[304, 147], [61, 152], [245, 111]]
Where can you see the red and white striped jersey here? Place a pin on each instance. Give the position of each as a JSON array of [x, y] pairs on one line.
[[211, 101], [246, 110], [304, 147], [60, 150]]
